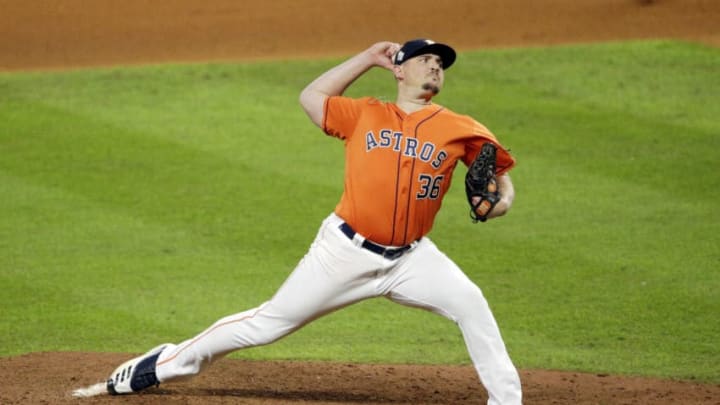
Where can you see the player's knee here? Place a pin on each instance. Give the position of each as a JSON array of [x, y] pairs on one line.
[[468, 304], [275, 333]]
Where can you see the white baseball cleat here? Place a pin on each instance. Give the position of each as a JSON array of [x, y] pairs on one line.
[[136, 374]]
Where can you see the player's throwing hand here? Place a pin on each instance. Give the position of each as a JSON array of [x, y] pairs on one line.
[[383, 52]]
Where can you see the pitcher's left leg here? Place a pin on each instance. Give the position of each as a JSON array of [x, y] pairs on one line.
[[428, 279], [334, 273]]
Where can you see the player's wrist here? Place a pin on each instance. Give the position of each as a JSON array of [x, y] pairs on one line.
[[502, 207]]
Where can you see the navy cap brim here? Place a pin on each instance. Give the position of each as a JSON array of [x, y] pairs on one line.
[[415, 48]]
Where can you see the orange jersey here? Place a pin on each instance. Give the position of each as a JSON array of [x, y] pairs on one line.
[[399, 166]]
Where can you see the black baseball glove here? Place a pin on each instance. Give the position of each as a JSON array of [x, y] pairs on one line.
[[480, 181]]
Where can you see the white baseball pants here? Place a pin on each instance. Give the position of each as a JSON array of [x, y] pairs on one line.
[[337, 272]]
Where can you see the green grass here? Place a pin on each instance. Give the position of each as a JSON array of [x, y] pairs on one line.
[[139, 205]]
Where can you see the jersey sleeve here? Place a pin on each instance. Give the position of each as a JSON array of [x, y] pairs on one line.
[[505, 161], [340, 115]]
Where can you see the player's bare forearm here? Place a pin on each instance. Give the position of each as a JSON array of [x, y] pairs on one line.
[[336, 80], [507, 195]]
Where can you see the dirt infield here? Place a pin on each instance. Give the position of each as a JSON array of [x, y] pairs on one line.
[[45, 34], [48, 378], [48, 34]]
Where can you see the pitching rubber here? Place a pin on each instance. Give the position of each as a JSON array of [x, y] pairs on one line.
[[91, 391]]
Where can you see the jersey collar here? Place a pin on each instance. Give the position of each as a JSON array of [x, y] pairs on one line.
[[422, 113]]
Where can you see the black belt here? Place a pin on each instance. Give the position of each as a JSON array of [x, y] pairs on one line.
[[388, 253]]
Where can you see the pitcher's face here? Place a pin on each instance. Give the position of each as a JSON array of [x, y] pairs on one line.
[[424, 72]]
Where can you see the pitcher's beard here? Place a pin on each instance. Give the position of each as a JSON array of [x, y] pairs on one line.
[[431, 88]]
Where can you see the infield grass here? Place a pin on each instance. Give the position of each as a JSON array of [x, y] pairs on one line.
[[138, 205]]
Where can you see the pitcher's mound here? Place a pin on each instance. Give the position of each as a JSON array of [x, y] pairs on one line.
[[50, 378]]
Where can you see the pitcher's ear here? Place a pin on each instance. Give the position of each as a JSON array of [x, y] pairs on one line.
[[398, 72]]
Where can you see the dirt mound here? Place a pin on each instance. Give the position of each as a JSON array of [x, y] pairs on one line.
[[49, 378], [69, 34]]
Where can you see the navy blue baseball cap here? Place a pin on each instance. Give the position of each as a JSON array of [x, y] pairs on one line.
[[417, 47]]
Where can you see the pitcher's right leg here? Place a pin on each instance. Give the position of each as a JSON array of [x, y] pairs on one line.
[[428, 279]]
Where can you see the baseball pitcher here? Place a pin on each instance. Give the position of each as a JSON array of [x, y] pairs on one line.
[[399, 160]]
